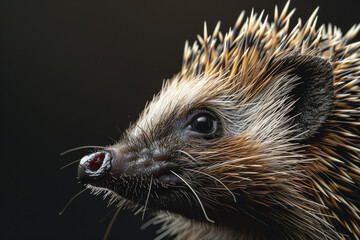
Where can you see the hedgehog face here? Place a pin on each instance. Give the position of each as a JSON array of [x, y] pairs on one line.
[[206, 153], [235, 143]]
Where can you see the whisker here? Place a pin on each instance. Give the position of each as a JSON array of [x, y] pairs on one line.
[[107, 215], [187, 154], [78, 148], [218, 180], [69, 164], [147, 198], [197, 197], [111, 224], [112, 139], [72, 199]]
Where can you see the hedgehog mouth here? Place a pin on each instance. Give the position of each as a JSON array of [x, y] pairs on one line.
[[164, 174], [132, 176]]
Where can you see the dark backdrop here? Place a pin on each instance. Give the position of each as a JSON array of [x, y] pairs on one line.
[[76, 73]]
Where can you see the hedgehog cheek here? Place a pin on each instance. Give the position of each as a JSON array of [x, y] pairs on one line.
[[313, 92]]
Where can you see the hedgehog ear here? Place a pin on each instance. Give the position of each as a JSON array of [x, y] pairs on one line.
[[313, 92]]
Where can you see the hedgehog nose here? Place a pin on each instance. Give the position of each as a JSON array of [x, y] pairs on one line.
[[94, 166]]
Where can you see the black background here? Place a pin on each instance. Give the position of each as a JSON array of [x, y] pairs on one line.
[[76, 73]]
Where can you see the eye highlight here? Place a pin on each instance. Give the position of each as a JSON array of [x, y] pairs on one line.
[[203, 123]]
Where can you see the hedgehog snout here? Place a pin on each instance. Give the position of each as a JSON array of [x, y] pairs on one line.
[[116, 162], [94, 166]]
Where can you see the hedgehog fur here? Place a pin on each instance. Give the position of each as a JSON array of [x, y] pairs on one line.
[[273, 172]]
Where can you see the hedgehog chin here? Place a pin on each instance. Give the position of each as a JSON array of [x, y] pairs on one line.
[[113, 197]]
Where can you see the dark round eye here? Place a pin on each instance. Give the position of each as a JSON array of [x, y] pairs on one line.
[[203, 124]]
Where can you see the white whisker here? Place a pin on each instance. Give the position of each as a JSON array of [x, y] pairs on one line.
[[147, 198], [78, 148], [111, 224], [68, 203], [197, 197], [218, 180], [187, 154], [69, 164]]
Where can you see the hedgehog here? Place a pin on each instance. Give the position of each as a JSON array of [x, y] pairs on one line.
[[257, 137]]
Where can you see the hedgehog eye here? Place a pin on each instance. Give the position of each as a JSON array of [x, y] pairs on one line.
[[204, 124]]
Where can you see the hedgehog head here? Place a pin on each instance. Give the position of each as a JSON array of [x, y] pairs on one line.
[[232, 141]]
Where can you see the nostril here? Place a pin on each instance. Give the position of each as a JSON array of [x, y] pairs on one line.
[[96, 163], [94, 166]]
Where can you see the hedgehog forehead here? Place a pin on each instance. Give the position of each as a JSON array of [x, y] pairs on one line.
[[177, 98]]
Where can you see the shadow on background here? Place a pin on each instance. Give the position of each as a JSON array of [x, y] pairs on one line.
[[76, 73]]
